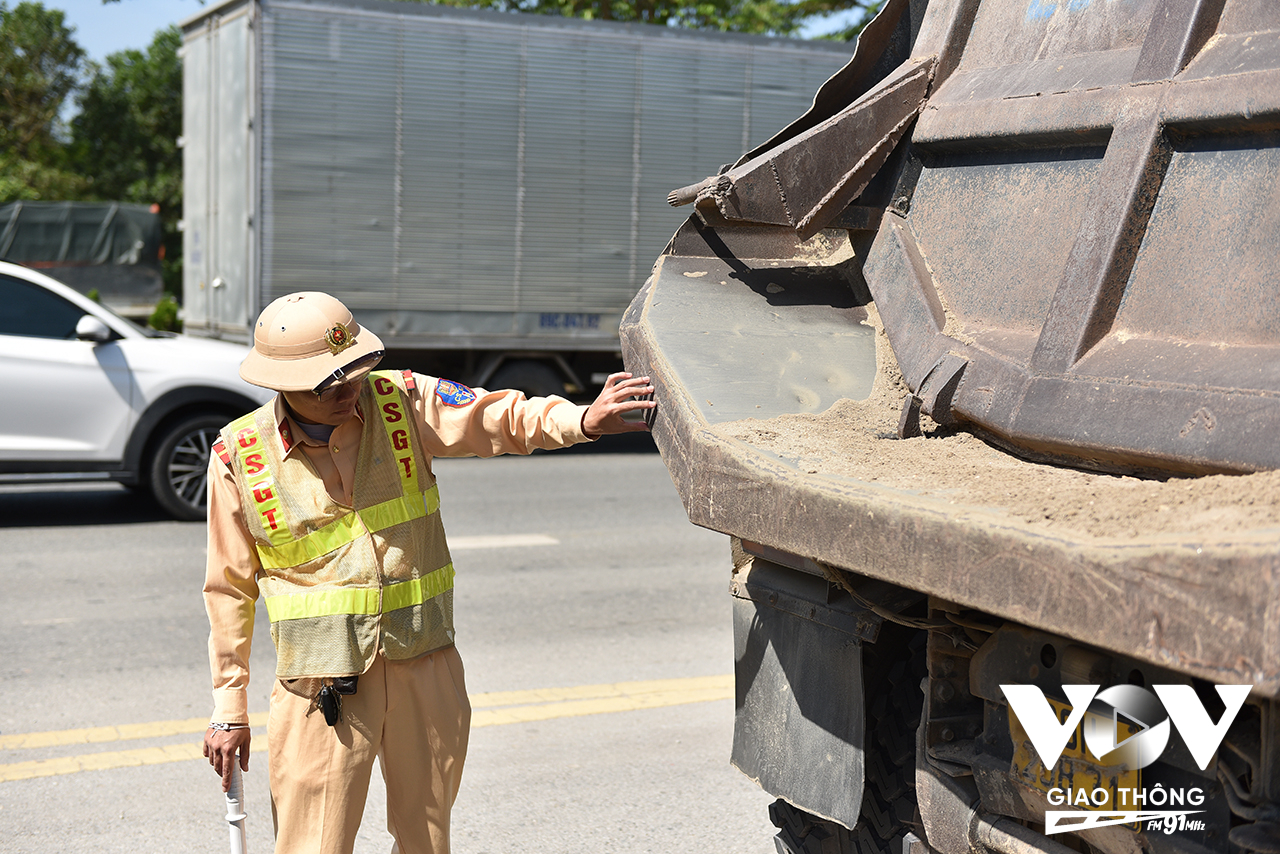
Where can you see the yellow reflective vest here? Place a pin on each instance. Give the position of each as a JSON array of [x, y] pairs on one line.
[[344, 583]]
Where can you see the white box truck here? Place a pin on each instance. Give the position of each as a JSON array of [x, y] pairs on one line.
[[485, 190]]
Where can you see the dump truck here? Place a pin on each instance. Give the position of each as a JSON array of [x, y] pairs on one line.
[[485, 190], [977, 363]]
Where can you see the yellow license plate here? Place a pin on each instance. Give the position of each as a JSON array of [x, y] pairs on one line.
[[1077, 769]]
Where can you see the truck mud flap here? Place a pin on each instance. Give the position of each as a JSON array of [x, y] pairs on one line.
[[798, 729]]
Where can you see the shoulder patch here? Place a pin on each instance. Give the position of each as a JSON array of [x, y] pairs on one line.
[[409, 383], [454, 394], [220, 448]]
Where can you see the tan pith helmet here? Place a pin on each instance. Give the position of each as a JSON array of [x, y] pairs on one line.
[[301, 339]]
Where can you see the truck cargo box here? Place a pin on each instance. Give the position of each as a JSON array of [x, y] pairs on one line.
[[464, 180]]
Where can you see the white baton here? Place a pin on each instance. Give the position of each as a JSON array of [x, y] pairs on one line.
[[235, 809]]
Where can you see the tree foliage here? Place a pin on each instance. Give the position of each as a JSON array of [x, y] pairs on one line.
[[771, 17], [121, 145], [40, 66], [125, 134], [124, 139]]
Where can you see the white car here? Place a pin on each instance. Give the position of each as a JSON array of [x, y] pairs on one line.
[[90, 396]]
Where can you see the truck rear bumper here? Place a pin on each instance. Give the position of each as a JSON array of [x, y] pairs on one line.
[[1204, 605]]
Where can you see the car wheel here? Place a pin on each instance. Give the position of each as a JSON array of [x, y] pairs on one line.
[[180, 465]]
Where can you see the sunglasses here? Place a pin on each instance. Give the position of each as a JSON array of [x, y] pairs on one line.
[[332, 384]]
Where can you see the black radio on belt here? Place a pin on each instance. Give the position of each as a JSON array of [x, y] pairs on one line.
[[330, 698]]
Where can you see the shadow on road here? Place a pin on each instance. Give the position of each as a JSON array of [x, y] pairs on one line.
[[622, 443], [112, 504], [76, 505]]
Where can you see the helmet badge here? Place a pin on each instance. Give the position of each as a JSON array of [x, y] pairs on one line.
[[338, 338]]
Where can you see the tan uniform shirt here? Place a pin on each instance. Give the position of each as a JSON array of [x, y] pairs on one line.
[[498, 422]]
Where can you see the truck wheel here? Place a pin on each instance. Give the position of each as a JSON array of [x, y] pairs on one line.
[[535, 379], [892, 670], [180, 464]]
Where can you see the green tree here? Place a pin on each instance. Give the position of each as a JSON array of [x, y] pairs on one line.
[[40, 66], [124, 140], [865, 9], [774, 17]]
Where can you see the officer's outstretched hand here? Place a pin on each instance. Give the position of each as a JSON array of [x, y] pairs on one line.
[[221, 748], [615, 400]]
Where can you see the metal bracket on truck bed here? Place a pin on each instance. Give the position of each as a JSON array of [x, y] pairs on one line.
[[806, 182]]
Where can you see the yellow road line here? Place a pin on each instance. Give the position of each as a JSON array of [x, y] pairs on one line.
[[111, 759], [491, 709], [602, 705], [158, 729], [125, 732], [501, 541], [595, 692]]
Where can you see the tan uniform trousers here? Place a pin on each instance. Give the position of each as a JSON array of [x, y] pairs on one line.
[[413, 715]]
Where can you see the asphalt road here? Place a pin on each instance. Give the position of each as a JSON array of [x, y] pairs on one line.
[[581, 587]]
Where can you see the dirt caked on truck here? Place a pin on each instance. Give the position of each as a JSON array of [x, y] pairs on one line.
[[978, 364]]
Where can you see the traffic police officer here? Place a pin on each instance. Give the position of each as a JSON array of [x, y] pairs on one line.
[[323, 502]]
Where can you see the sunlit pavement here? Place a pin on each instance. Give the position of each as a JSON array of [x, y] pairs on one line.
[[592, 617]]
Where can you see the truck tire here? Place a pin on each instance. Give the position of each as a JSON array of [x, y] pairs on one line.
[[178, 469], [535, 379], [892, 670]]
